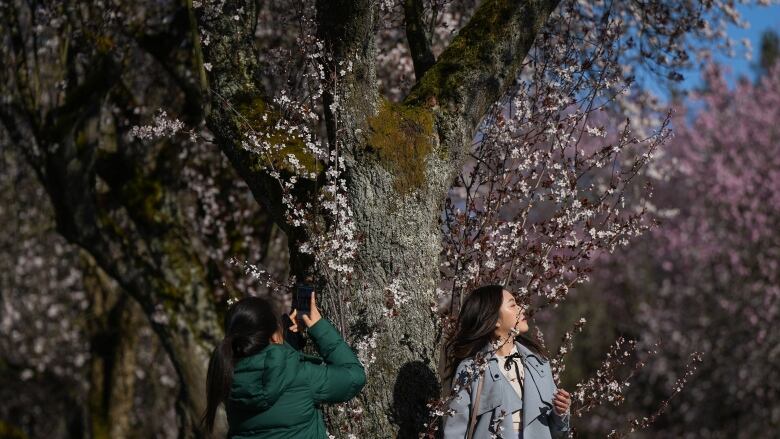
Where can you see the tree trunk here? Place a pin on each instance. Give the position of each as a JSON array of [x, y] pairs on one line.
[[138, 238], [401, 247], [114, 323]]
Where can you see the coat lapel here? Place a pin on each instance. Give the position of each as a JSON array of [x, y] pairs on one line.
[[533, 368], [533, 401]]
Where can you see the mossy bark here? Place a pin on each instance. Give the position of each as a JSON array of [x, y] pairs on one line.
[[402, 137], [483, 60], [239, 107]]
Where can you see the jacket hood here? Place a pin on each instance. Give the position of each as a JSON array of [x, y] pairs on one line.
[[260, 379]]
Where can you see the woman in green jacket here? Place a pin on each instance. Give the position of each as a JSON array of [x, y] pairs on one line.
[[270, 390]]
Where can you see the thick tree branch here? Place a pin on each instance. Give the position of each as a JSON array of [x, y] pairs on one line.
[[483, 60], [348, 28], [240, 108], [134, 232], [419, 42], [181, 35]]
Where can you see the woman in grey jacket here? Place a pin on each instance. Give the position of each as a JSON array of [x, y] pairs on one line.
[[517, 395]]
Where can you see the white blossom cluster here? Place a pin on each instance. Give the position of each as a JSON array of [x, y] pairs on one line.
[[331, 236], [395, 297], [365, 347], [606, 385], [336, 248], [352, 412], [162, 126], [461, 381], [551, 171], [547, 186], [262, 275], [495, 428], [218, 208]]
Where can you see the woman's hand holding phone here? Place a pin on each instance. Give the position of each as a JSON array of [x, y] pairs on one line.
[[294, 326], [309, 319]]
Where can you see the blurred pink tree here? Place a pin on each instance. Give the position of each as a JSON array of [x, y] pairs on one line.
[[708, 279]]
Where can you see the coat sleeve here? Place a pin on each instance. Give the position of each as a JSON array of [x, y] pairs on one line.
[[455, 425], [342, 376], [559, 427]]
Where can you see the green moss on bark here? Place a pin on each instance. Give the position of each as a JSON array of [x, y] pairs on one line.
[[255, 116], [472, 52], [402, 137], [145, 197]]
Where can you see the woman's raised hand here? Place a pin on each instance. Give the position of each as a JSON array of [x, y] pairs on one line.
[[308, 319], [294, 326], [314, 313]]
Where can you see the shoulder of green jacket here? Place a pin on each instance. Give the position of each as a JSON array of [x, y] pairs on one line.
[[276, 353], [273, 355]]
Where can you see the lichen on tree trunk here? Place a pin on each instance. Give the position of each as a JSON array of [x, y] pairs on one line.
[[401, 247]]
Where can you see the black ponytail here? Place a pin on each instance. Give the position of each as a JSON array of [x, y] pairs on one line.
[[249, 325], [218, 381]]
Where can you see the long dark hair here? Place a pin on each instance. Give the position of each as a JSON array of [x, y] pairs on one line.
[[249, 324], [476, 324]]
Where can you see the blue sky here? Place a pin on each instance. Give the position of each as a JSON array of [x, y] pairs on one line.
[[760, 19]]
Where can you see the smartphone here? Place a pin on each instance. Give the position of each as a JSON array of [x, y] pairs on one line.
[[302, 300]]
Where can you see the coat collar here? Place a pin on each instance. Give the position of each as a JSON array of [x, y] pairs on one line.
[[493, 366], [521, 348], [535, 369]]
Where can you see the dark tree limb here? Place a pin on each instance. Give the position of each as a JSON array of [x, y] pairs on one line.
[[240, 106], [483, 60], [19, 124], [419, 40], [163, 47], [135, 232], [348, 28]]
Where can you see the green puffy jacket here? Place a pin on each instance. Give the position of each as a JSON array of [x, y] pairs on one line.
[[276, 393]]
